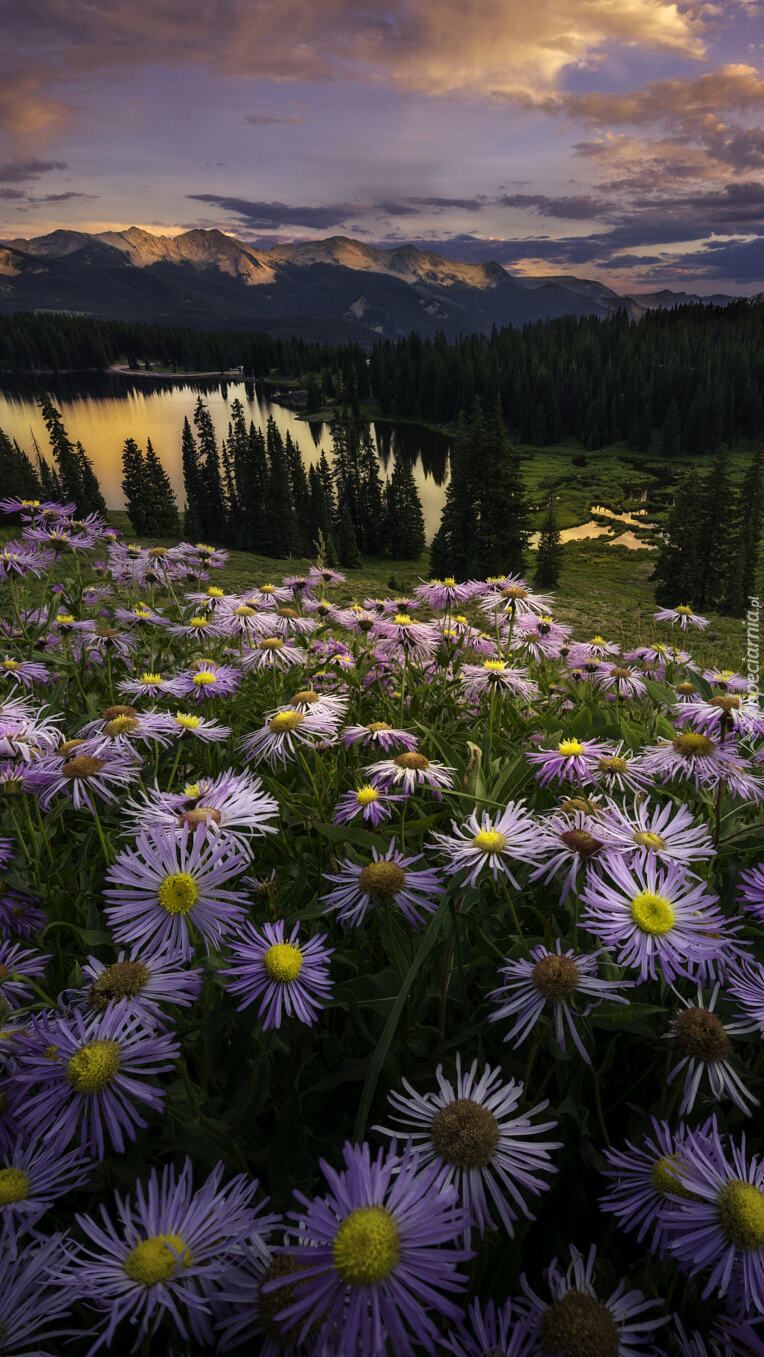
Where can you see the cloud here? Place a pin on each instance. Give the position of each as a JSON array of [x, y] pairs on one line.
[[265, 214], [27, 110], [578, 208], [16, 171], [267, 119], [440, 47]]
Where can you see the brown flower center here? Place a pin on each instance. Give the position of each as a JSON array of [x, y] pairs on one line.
[[465, 1134], [83, 766], [701, 1034], [581, 842], [411, 760], [123, 980], [381, 880], [692, 744], [113, 713], [579, 1326], [556, 977]]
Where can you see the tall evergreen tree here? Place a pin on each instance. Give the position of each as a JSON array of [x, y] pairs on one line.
[[91, 490], [78, 481], [298, 481], [192, 518], [17, 474], [502, 515], [749, 515], [716, 527], [452, 545], [135, 487], [371, 505], [404, 534], [677, 565], [212, 508], [251, 472], [671, 433], [282, 533], [347, 544], [550, 550], [164, 519]]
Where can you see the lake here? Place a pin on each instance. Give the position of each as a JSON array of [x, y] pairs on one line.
[[101, 410]]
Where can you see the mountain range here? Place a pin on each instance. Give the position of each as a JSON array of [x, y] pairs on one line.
[[335, 289]]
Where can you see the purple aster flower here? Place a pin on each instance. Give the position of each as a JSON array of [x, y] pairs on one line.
[[17, 966], [509, 593], [85, 777], [470, 1130], [386, 881], [272, 652], [33, 1174], [286, 731], [727, 680], [706, 762], [24, 735], [540, 637], [91, 1075], [745, 984], [232, 805], [150, 683], [643, 1178], [668, 832], [722, 714], [187, 725], [373, 805], [33, 1303], [728, 1338], [444, 595], [620, 770], [496, 676], [493, 841], [165, 1252], [552, 979], [208, 679], [658, 920], [288, 977], [27, 672], [751, 891], [402, 636], [319, 576], [285, 622], [620, 680], [144, 978], [199, 626], [703, 1042], [618, 1325], [409, 772], [20, 914], [682, 614], [120, 728], [718, 1225], [572, 761], [253, 1313], [492, 1332], [378, 733], [171, 887], [571, 841], [379, 1253]]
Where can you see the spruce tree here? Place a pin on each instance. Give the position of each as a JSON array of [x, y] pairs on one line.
[[678, 563], [135, 488], [502, 531], [251, 474], [281, 531], [212, 507], [671, 433], [371, 505], [17, 475], [300, 494], [749, 516], [404, 535], [451, 548], [347, 544], [550, 550], [92, 499], [78, 481], [164, 519], [192, 519], [716, 528]]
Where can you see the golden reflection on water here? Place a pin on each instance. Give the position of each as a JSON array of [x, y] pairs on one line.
[[102, 423]]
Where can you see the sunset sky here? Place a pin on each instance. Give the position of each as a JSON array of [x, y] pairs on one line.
[[615, 139]]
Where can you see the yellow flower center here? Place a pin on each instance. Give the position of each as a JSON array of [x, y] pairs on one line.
[[14, 1186], [366, 1246], [646, 839], [199, 622], [684, 609], [178, 893], [375, 726], [65, 618], [366, 794], [143, 614], [653, 913], [284, 721], [283, 962], [402, 620], [214, 592], [192, 789], [186, 721], [147, 677], [741, 1214], [665, 1178], [598, 641], [11, 664], [120, 725], [271, 643], [489, 840], [569, 748], [692, 743], [611, 763], [244, 610], [157, 1259], [494, 665], [204, 678], [93, 1066]]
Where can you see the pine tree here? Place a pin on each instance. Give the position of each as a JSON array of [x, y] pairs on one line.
[[212, 508], [282, 534], [550, 550], [300, 494], [192, 519], [347, 545], [502, 515], [371, 506], [749, 519], [452, 545], [92, 499], [404, 535], [77, 479], [678, 563], [17, 475], [134, 487], [251, 473], [164, 519], [671, 433], [716, 530]]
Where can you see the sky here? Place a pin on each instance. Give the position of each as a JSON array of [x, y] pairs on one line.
[[621, 140]]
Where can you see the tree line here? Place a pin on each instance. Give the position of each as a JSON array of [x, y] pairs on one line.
[[253, 492], [67, 478]]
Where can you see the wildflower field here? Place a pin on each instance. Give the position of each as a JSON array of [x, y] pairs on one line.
[[376, 979]]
